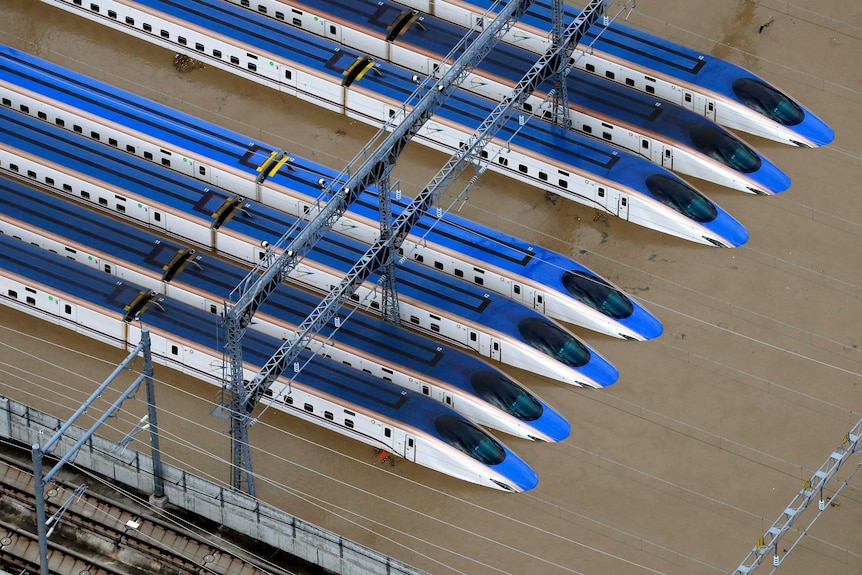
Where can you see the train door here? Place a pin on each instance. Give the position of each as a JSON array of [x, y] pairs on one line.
[[539, 302], [709, 112], [688, 100], [667, 157], [477, 22], [410, 448], [496, 352], [201, 172], [623, 207], [332, 31]]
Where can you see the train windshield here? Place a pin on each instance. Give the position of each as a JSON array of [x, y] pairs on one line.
[[723, 147], [763, 98], [681, 197], [469, 439], [507, 395], [554, 341], [598, 294]]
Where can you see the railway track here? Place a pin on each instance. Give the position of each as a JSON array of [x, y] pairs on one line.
[[96, 535]]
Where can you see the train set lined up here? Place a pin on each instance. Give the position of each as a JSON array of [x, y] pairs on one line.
[[81, 161]]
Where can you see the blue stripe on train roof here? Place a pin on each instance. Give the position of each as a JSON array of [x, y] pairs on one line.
[[490, 246], [201, 327], [586, 91], [670, 58], [141, 177], [580, 152]]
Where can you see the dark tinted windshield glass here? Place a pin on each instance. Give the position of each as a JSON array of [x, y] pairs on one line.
[[598, 294], [763, 98], [507, 395], [720, 145], [469, 439], [553, 341], [681, 197]]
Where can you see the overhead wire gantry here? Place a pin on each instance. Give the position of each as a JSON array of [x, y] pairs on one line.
[[376, 168]]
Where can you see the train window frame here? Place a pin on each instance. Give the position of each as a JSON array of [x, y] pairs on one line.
[[261, 8], [199, 47], [387, 432], [85, 194], [650, 89], [630, 82], [609, 75], [49, 180], [328, 415], [279, 15], [587, 129], [130, 21], [252, 66], [67, 187], [590, 68], [31, 174], [503, 161], [543, 176], [563, 184], [113, 142], [459, 273], [13, 167], [147, 27], [182, 40], [95, 135], [435, 327], [414, 319], [30, 300], [24, 108], [148, 156], [77, 129], [438, 265], [112, 14], [7, 102], [165, 34], [234, 60], [12, 293], [94, 7], [348, 423], [523, 168], [217, 53], [60, 122], [479, 280], [130, 149], [175, 350], [67, 309], [308, 407]]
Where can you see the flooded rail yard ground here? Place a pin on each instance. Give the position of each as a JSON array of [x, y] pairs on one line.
[[711, 429]]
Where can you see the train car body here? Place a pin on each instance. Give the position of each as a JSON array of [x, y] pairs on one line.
[[720, 91], [551, 158], [432, 303], [330, 395], [467, 384], [547, 281], [670, 136]]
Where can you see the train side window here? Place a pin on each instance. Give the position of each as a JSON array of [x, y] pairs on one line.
[[112, 142], [435, 328], [24, 108], [67, 188], [31, 300], [49, 180], [157, 216], [644, 144], [503, 161], [165, 34], [107, 268], [199, 47], [609, 75], [252, 66], [121, 208], [588, 129], [234, 60], [650, 89], [375, 304], [95, 135], [308, 407], [516, 289], [202, 170], [479, 280], [527, 107], [60, 122], [148, 156], [77, 2], [414, 319], [332, 29], [387, 432], [419, 258], [288, 399], [496, 346], [522, 168], [94, 7], [213, 309], [13, 167], [244, 3], [564, 184], [279, 15], [426, 390], [590, 68], [166, 162], [216, 53], [459, 273], [438, 265], [182, 40], [175, 350], [543, 176], [130, 148], [78, 129], [688, 97], [624, 201], [484, 154], [328, 415], [102, 201], [31, 174], [12, 293], [607, 135], [630, 82], [410, 442], [7, 102], [147, 28], [348, 423], [68, 309], [540, 299], [288, 74], [85, 194], [130, 21], [42, 115], [112, 14], [601, 192], [261, 8]]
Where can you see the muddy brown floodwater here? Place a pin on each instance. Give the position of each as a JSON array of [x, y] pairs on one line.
[[710, 431]]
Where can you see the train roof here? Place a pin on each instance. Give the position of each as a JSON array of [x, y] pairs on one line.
[[579, 153]]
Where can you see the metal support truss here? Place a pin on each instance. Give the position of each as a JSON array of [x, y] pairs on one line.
[[295, 243], [813, 487]]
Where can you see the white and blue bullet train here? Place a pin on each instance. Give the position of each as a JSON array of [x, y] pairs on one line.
[[547, 281], [565, 163], [670, 136], [326, 393], [433, 303], [720, 91], [467, 384]]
